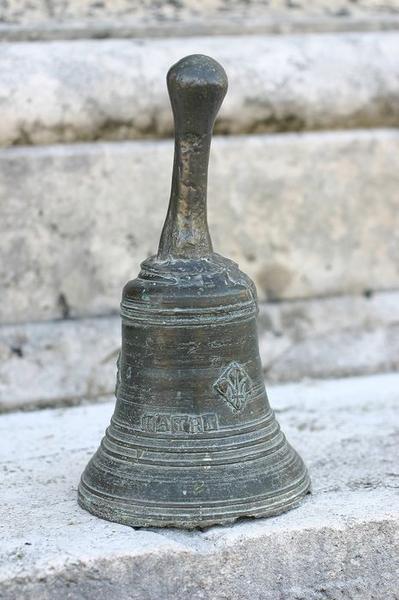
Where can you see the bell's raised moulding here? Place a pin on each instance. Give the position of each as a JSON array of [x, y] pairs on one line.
[[193, 441]]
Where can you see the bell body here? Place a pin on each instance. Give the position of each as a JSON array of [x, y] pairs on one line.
[[193, 441]]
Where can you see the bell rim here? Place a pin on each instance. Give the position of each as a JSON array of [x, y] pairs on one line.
[[128, 513]]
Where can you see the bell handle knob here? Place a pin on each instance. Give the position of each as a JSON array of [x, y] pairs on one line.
[[197, 85]]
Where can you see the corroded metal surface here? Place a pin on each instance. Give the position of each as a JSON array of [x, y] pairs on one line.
[[193, 441]]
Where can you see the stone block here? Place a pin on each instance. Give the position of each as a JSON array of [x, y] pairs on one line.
[[305, 215], [329, 337], [70, 362], [51, 19], [342, 542], [58, 362], [84, 90]]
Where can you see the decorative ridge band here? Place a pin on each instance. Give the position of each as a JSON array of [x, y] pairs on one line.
[[165, 510], [254, 451], [161, 315]]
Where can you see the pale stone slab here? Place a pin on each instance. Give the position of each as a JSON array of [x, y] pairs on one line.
[[61, 362], [24, 10], [303, 214], [330, 337], [49, 19], [115, 89], [73, 361], [198, 25], [342, 542]]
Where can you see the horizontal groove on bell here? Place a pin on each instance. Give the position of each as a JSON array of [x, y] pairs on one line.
[[257, 393], [226, 438], [154, 371], [227, 458], [190, 514], [179, 317], [251, 450], [287, 459]]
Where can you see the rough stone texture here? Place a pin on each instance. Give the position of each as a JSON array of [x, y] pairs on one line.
[[25, 10], [64, 362], [115, 89], [330, 337], [22, 19], [304, 215], [73, 361], [342, 542]]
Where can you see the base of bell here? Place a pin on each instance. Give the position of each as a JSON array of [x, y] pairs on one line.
[[196, 516]]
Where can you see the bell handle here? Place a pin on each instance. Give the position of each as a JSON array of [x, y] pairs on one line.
[[197, 85]]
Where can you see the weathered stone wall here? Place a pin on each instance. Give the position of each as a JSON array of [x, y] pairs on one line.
[[115, 89], [123, 18], [70, 361], [303, 177], [25, 10], [304, 181], [305, 215]]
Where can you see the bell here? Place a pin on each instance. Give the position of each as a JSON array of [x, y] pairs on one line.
[[193, 441]]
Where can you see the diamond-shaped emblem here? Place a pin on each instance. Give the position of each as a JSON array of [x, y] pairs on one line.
[[234, 385]]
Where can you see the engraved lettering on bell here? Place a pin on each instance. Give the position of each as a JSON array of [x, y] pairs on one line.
[[161, 423], [234, 385]]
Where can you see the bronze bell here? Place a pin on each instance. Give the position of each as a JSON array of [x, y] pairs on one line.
[[193, 441]]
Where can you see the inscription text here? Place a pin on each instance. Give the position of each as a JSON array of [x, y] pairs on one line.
[[164, 423]]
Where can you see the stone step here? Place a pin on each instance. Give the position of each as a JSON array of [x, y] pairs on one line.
[[305, 215], [115, 89], [342, 542], [73, 361], [23, 19]]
